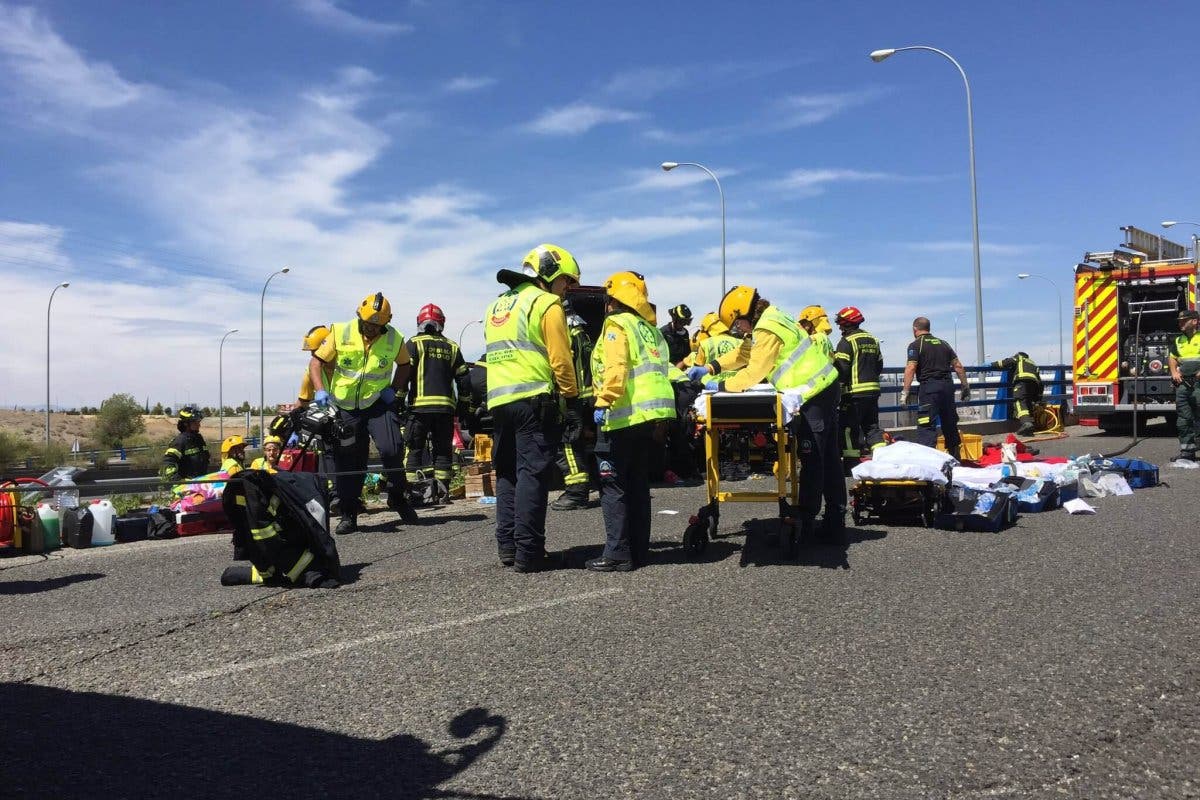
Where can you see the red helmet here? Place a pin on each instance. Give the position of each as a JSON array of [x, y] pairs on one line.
[[431, 314], [849, 316]]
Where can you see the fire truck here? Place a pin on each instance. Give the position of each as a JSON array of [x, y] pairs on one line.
[[1127, 302]]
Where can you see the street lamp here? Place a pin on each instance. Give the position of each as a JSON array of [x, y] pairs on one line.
[[1195, 239], [880, 55], [52, 293], [262, 359], [463, 332], [956, 316], [221, 382], [1023, 276], [667, 166]]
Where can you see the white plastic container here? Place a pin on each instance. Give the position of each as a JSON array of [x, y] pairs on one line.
[[103, 518]]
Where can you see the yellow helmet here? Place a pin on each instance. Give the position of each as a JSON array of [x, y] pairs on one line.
[[312, 340], [375, 309], [629, 288], [712, 325], [548, 261], [273, 440], [818, 317], [230, 443], [737, 302]]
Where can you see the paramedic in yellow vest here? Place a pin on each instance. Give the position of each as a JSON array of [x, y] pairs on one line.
[[437, 371], [1184, 361], [233, 455], [715, 340], [1026, 388], [634, 403], [530, 381], [369, 365], [575, 456], [272, 451], [782, 354], [312, 340], [815, 322]]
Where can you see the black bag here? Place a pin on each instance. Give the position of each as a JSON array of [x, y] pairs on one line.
[[162, 525]]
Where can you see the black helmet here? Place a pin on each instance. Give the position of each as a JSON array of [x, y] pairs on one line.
[[681, 313], [1022, 354], [189, 413]]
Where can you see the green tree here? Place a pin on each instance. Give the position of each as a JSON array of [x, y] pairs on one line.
[[120, 418], [12, 449], [157, 410]]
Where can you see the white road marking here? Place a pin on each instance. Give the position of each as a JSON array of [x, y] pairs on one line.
[[404, 633]]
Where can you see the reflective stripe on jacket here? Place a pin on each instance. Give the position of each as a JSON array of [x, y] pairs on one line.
[[648, 394], [360, 375], [518, 364]]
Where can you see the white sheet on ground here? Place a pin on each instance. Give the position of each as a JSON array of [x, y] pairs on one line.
[[978, 477], [884, 471], [911, 453]]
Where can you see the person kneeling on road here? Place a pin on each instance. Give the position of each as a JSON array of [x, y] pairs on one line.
[[370, 363], [634, 401]]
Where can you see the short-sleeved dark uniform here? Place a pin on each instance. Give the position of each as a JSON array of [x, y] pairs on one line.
[[934, 358]]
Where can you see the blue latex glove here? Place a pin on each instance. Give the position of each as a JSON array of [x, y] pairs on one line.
[[321, 398], [293, 440], [698, 373], [712, 386], [388, 395], [598, 415]]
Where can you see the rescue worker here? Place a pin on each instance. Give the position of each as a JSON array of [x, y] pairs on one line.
[[793, 362], [187, 455], [676, 333], [1184, 361], [309, 344], [437, 367], [272, 451], [714, 341], [370, 365], [1026, 388], [233, 455], [573, 457], [530, 375], [634, 401], [859, 361], [930, 361], [815, 321]]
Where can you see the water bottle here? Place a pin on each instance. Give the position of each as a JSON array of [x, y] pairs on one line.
[[985, 502]]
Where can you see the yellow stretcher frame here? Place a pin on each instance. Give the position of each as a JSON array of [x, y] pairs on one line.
[[703, 525]]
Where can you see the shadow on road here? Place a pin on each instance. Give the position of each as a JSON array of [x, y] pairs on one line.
[[439, 519], [68, 744], [47, 584], [763, 550], [662, 553]]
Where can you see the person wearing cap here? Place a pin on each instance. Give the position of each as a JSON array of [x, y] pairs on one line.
[[369, 365], [634, 402], [533, 398], [1026, 388], [781, 353], [272, 451], [1184, 361], [679, 341]]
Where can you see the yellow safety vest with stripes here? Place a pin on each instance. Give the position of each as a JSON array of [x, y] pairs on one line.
[[716, 346], [361, 374], [648, 394], [803, 365], [518, 364]]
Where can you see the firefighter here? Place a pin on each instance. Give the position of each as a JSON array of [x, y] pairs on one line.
[[634, 401], [930, 361], [676, 333], [233, 455], [437, 367], [531, 377], [309, 344], [369, 365], [1184, 361], [272, 451], [187, 455], [793, 362], [1026, 388], [859, 361], [573, 456]]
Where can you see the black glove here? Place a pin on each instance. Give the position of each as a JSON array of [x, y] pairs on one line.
[[572, 421], [965, 394]]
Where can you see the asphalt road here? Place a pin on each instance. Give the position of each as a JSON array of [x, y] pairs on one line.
[[1058, 658]]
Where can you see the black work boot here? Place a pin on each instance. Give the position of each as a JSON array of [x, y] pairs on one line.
[[348, 524], [572, 499], [399, 503], [833, 530], [1026, 428]]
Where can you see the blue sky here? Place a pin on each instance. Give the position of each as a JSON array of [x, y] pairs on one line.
[[166, 157]]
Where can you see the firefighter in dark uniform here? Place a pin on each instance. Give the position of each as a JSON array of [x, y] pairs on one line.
[[574, 456], [859, 362], [930, 361], [436, 368], [187, 455], [1184, 361], [679, 342], [532, 396], [1026, 388]]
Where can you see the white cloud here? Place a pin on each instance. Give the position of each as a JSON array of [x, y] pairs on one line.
[[654, 180], [801, 110], [578, 117], [330, 14], [645, 82], [25, 245], [468, 83], [811, 182], [53, 71]]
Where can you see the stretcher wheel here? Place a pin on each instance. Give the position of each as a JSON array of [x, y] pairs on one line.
[[695, 538]]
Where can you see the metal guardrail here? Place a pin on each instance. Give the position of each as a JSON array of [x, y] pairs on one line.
[[1057, 382]]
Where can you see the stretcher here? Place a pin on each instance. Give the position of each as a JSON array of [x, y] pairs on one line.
[[896, 501], [753, 412]]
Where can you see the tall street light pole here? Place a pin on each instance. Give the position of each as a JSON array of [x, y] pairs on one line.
[[262, 359], [667, 166], [463, 332], [51, 302], [956, 317], [1024, 276], [221, 382], [1195, 239], [880, 55]]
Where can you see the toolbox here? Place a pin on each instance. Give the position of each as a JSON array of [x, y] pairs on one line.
[[984, 511]]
